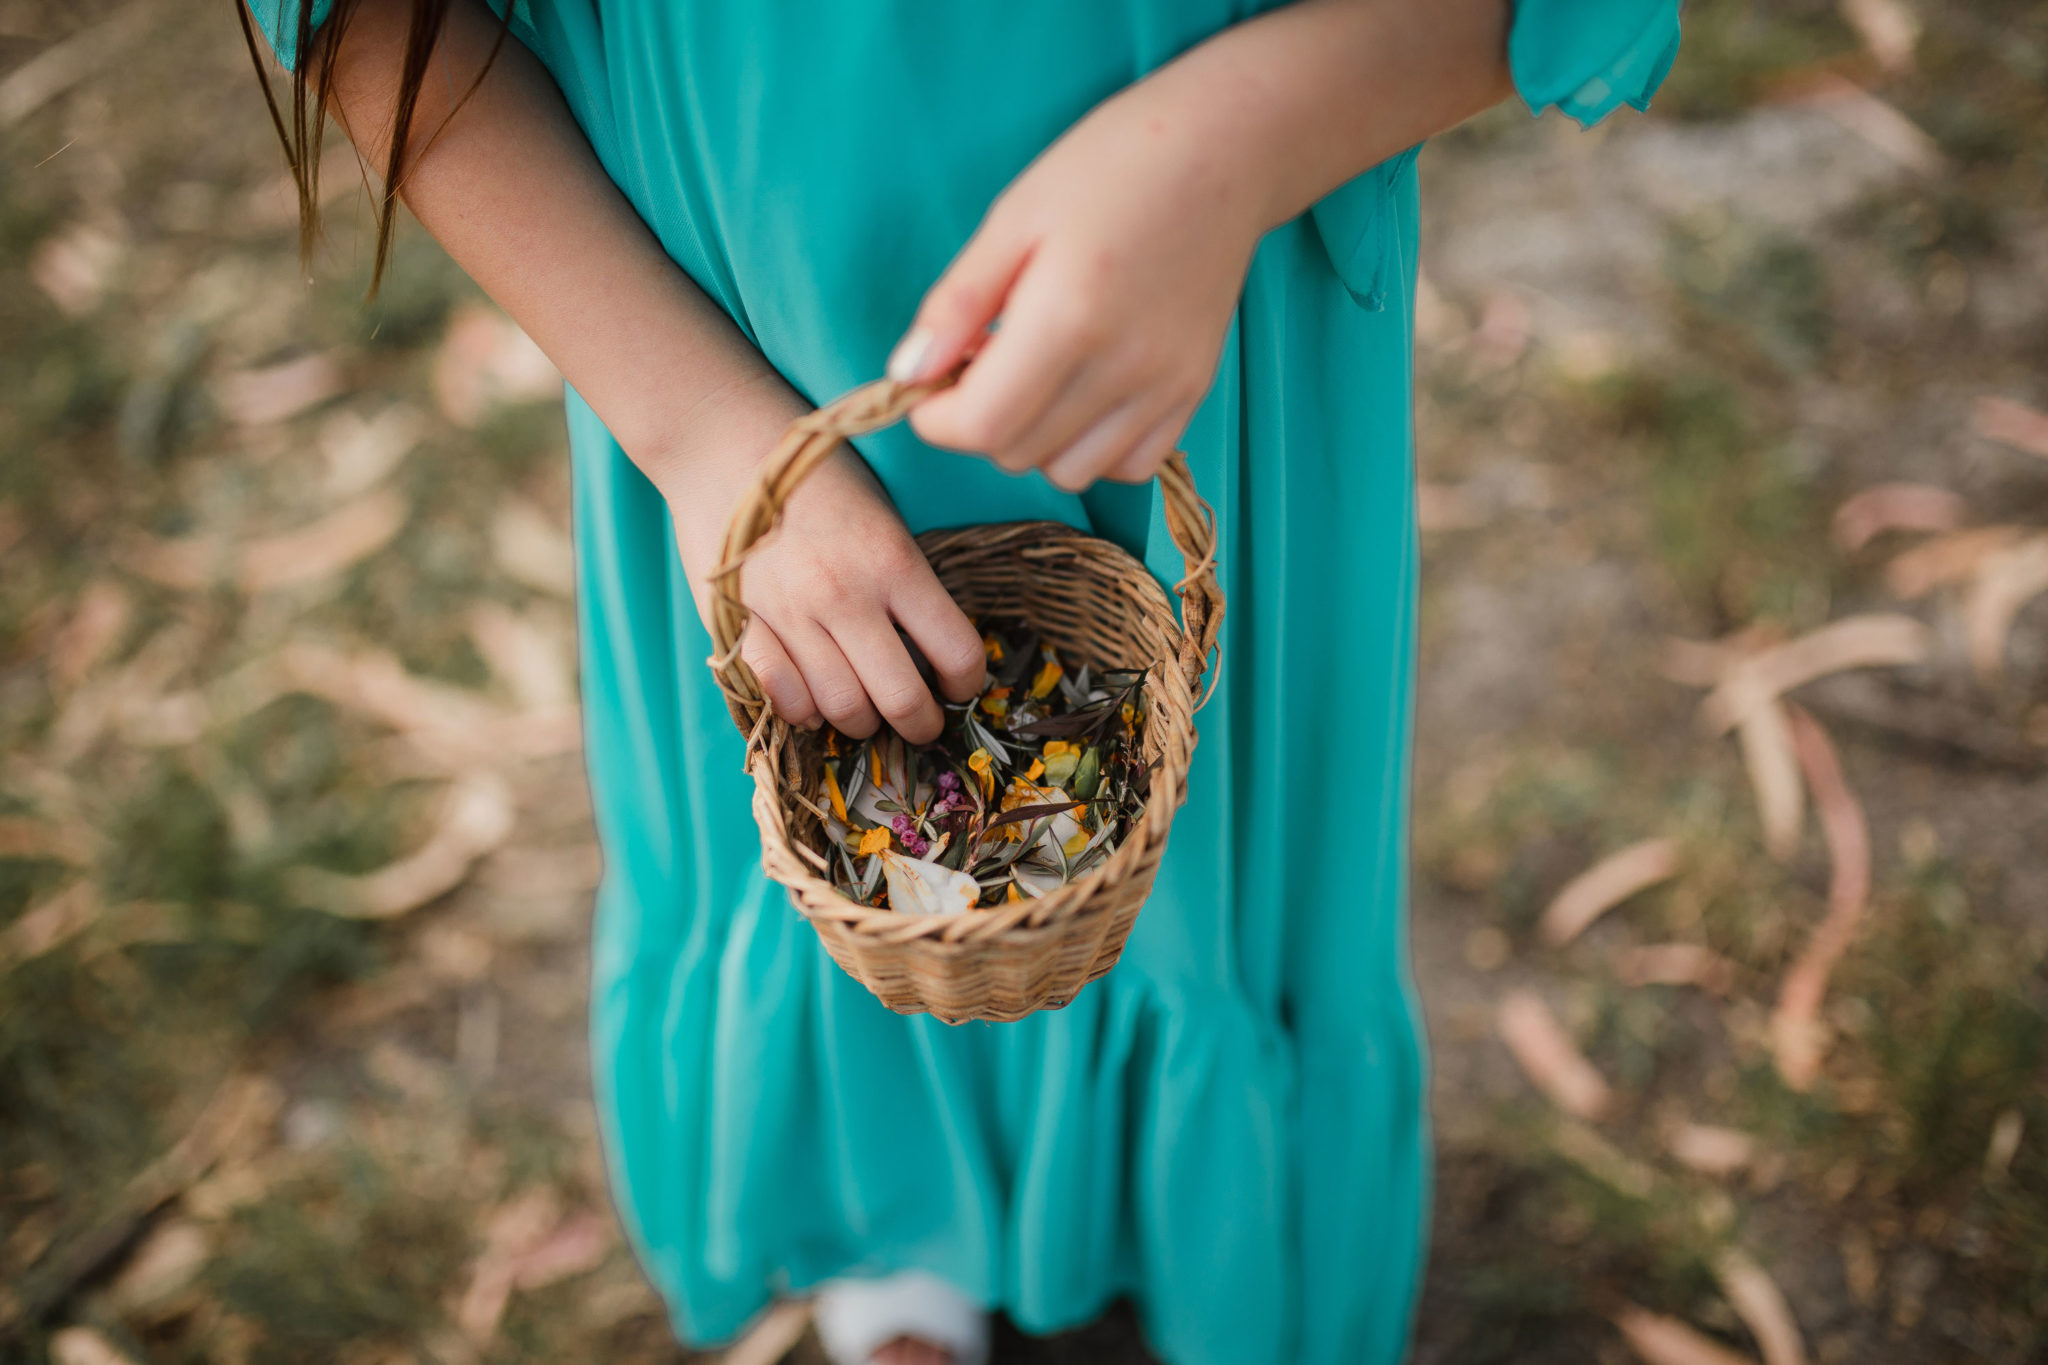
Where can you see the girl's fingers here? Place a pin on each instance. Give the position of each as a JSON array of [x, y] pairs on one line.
[[892, 682], [943, 634], [1144, 458], [1100, 448], [835, 686], [1092, 395], [957, 310], [1014, 379], [780, 681]]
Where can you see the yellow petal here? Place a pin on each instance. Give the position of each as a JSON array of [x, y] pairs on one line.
[[1076, 841], [838, 797], [875, 840], [1047, 679], [1031, 774], [1015, 894], [992, 647]]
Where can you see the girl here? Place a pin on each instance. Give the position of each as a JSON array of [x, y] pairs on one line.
[[1195, 222]]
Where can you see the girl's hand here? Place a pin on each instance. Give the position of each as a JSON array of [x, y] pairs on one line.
[[1115, 261], [837, 594]]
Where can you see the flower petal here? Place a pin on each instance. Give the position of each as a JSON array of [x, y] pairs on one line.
[[922, 888]]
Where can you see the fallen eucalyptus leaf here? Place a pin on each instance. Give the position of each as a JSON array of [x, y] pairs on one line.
[[1798, 1038], [1606, 884], [1550, 1058]]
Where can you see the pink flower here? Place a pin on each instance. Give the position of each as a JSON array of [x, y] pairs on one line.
[[915, 844]]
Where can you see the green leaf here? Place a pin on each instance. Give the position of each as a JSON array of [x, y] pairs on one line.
[[1088, 775]]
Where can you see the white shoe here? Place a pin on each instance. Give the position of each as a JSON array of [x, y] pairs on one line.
[[856, 1318]]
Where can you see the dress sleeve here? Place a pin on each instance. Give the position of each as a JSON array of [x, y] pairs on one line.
[[1361, 224], [1586, 57], [1589, 57], [279, 22]]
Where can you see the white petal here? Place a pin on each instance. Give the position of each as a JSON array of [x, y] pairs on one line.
[[1033, 880], [921, 888]]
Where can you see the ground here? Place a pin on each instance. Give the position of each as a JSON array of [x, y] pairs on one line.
[[295, 858]]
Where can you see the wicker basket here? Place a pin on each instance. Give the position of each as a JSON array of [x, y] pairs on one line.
[[1095, 604]]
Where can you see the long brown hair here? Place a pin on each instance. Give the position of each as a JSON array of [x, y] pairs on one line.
[[312, 86]]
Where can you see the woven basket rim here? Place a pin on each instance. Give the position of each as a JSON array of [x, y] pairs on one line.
[[1071, 900]]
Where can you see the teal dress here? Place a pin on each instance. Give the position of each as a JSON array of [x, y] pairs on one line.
[[1229, 1128]]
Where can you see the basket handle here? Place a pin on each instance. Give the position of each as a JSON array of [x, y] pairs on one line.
[[815, 435]]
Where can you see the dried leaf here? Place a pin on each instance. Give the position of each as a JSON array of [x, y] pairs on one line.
[[1945, 559], [485, 360], [276, 393], [1758, 1302], [320, 549], [360, 452], [103, 612], [1877, 123], [1602, 1160], [2005, 581], [58, 67], [1702, 663], [475, 818], [1443, 507], [162, 1267], [1867, 641], [1605, 885], [43, 927], [513, 1230], [532, 661], [37, 840], [1797, 1039], [773, 1336], [336, 542], [1505, 329], [1667, 1341], [1675, 964], [2012, 424], [1766, 738], [85, 1346], [531, 551], [1896, 507], [2006, 1131], [1889, 31], [576, 1247], [1711, 1150], [1550, 1058], [448, 730], [375, 682], [139, 682], [188, 563], [1012, 814], [73, 267]]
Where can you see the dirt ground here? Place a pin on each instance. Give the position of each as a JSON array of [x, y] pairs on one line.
[[295, 858]]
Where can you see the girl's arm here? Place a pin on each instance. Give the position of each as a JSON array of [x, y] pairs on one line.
[[1117, 258], [510, 186]]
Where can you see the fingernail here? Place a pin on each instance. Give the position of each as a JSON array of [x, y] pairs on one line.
[[908, 357]]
